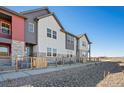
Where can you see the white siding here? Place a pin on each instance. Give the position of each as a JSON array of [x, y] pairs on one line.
[[44, 42], [83, 50]]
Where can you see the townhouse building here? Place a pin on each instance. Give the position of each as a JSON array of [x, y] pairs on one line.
[[12, 41], [38, 32]]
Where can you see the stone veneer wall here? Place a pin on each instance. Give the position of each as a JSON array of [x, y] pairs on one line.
[[17, 50]]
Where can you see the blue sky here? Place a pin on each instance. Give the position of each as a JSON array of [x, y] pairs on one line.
[[104, 26]]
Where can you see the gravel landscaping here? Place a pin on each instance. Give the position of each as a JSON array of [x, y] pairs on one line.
[[88, 76]]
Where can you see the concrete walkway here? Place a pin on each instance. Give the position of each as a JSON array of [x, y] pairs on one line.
[[19, 74]]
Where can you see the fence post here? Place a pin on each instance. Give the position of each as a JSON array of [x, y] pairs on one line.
[[63, 60], [46, 64], [104, 74], [31, 62], [69, 61], [56, 61], [16, 63]]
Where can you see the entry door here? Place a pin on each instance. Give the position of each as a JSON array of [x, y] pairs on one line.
[[28, 51]]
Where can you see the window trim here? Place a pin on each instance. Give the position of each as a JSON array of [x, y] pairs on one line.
[[54, 52], [54, 35], [49, 52], [50, 33], [6, 23], [83, 43], [70, 42], [29, 24]]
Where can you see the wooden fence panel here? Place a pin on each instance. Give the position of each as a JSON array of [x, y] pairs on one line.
[[39, 62]]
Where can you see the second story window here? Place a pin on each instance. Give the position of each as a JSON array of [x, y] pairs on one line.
[[48, 32], [30, 27], [72, 40], [83, 43], [69, 42], [5, 28], [54, 34]]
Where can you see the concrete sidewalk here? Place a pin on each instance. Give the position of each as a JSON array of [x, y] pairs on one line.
[[19, 74]]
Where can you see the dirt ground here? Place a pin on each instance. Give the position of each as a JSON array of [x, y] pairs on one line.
[[106, 74]]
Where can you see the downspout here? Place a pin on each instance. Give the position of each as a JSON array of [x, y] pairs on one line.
[[36, 20], [77, 50], [90, 51]]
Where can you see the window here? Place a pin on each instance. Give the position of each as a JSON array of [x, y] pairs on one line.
[[71, 55], [54, 34], [48, 51], [72, 40], [83, 43], [54, 52], [83, 53], [48, 32], [69, 42], [67, 55], [68, 38], [4, 51], [5, 28], [30, 27]]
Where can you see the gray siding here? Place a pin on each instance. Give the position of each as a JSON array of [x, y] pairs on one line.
[[31, 37], [69, 44]]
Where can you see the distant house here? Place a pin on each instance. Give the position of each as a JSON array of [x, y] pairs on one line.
[[38, 32]]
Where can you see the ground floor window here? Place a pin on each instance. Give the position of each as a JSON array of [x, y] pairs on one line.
[[83, 53], [4, 51], [54, 52], [48, 51]]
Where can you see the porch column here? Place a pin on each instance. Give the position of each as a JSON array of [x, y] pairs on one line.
[[90, 51]]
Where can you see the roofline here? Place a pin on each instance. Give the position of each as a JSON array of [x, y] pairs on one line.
[[87, 38], [35, 10], [69, 33], [43, 16], [12, 12], [53, 14]]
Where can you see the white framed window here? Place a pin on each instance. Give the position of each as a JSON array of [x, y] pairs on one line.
[[83, 43], [48, 32], [49, 50], [54, 52], [54, 34], [30, 27]]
